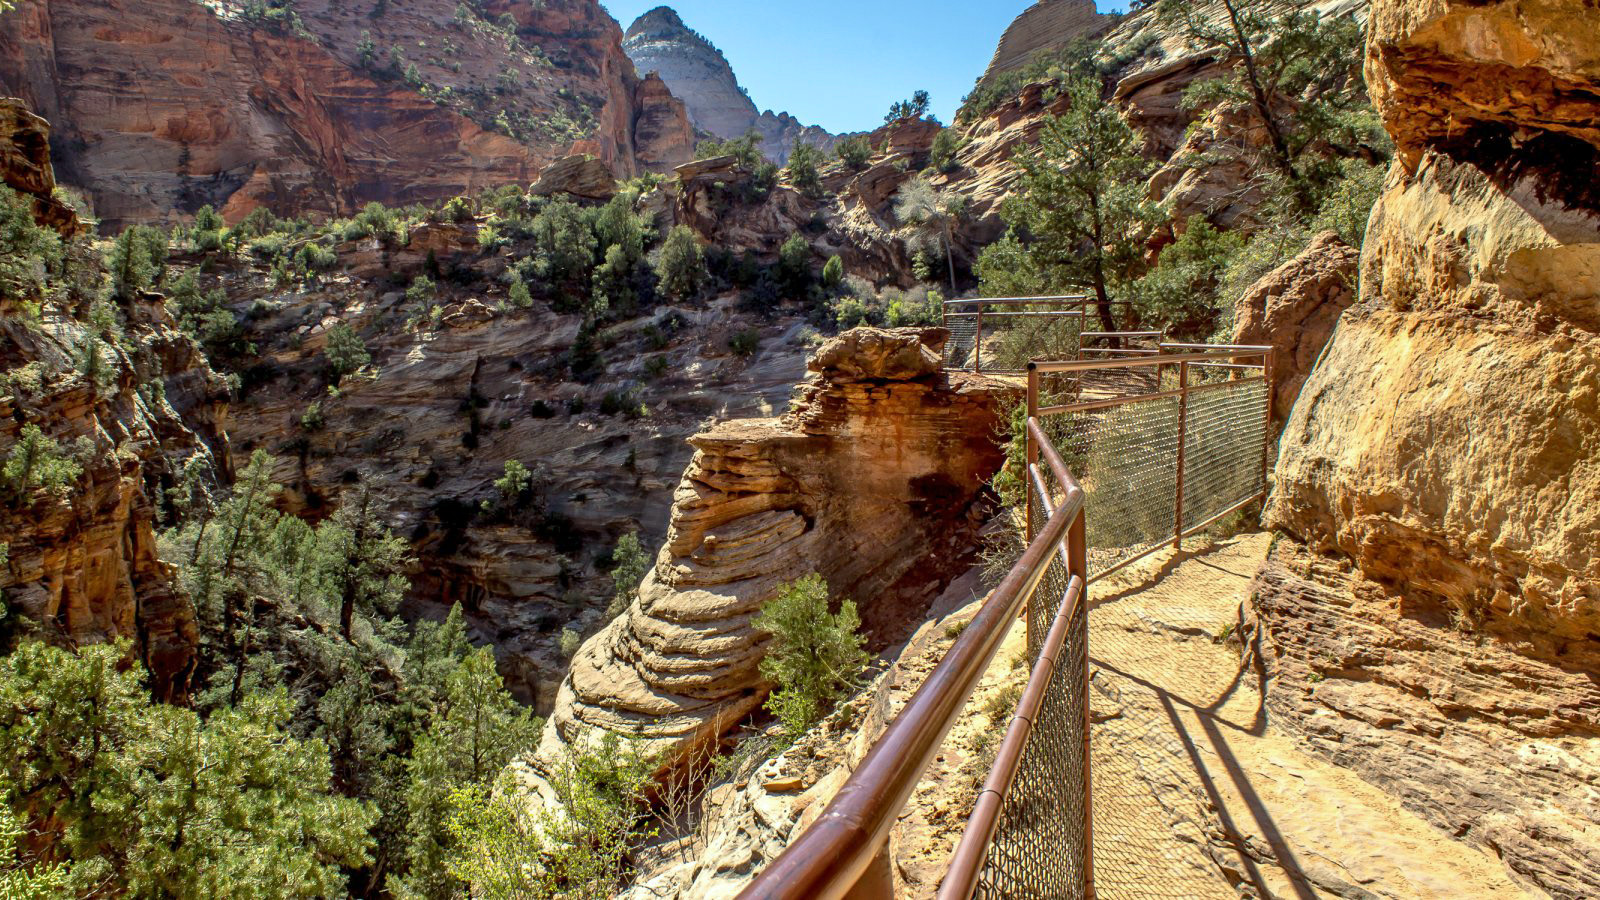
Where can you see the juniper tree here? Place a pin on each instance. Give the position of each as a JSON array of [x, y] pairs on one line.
[[815, 656], [1079, 214], [681, 264], [37, 462]]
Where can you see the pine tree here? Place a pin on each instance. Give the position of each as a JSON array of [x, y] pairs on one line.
[[1081, 202], [682, 264]]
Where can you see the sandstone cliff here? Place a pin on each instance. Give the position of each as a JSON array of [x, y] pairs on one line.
[[1046, 25], [875, 480], [82, 561], [659, 43], [1446, 445], [167, 105]]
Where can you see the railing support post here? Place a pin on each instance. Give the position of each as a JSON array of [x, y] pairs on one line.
[[1183, 443], [1078, 564], [1266, 435], [1031, 450], [877, 882]]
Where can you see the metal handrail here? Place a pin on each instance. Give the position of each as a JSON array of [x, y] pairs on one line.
[[1076, 298], [845, 852]]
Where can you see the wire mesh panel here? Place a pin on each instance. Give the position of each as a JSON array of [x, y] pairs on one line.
[[1042, 841], [1225, 444]]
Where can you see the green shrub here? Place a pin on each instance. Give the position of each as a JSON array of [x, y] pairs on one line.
[[317, 258], [38, 463], [515, 483], [855, 152], [815, 656], [137, 260], [804, 162], [630, 565], [745, 343], [346, 352], [833, 273], [520, 296], [681, 265]]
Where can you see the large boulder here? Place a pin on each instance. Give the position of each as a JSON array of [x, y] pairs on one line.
[[1448, 446], [25, 165], [1293, 309], [875, 480]]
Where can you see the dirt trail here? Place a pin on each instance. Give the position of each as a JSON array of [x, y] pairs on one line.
[[1197, 796]]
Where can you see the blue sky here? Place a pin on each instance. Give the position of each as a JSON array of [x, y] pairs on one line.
[[840, 63]]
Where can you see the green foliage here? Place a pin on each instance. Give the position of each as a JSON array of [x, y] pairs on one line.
[[804, 164], [747, 149], [1183, 293], [928, 215], [206, 219], [28, 253], [1079, 214], [681, 264], [833, 273], [1054, 68], [20, 877], [346, 352], [205, 316], [38, 463], [464, 749], [815, 656], [515, 483], [794, 265], [97, 364], [153, 801], [318, 258], [904, 110], [630, 564], [1299, 73], [745, 343], [855, 152], [946, 144], [137, 261], [1349, 202], [519, 295], [565, 254], [579, 852]]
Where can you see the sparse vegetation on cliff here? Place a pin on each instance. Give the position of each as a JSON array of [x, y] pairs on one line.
[[815, 657]]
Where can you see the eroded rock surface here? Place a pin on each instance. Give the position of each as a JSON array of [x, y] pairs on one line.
[[1294, 310], [167, 105], [1446, 445], [1046, 25], [875, 481]]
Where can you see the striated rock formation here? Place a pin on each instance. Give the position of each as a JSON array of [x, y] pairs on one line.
[[82, 564], [1294, 310], [660, 44], [875, 480], [166, 105], [1446, 445], [661, 127], [1046, 25]]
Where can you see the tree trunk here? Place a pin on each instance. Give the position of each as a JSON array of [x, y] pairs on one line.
[[1263, 105], [950, 257]]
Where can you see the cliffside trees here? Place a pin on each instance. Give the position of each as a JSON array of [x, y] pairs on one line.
[[1080, 210], [150, 800], [855, 152], [630, 564], [37, 462], [804, 161], [137, 261], [904, 110], [346, 352], [681, 265], [928, 214], [1298, 72]]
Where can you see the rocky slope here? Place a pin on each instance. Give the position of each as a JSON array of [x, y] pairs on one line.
[[83, 565], [875, 480], [1446, 446], [660, 43], [1046, 25], [168, 105], [446, 403]]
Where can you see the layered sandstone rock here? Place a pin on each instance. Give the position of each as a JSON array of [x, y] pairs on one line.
[[82, 564], [167, 105], [1294, 310], [1046, 25], [661, 45], [874, 480], [1446, 444]]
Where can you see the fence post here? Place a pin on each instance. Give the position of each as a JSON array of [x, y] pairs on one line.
[[1030, 452], [1183, 443], [1078, 564], [977, 344], [1266, 435]]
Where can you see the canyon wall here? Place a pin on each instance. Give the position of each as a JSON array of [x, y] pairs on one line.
[[660, 43], [875, 479], [163, 106], [82, 564], [1448, 447]]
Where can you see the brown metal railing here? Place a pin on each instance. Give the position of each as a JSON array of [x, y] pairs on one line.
[[1031, 830], [1027, 328], [845, 853]]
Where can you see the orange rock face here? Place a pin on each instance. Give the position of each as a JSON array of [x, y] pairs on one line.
[[195, 106]]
